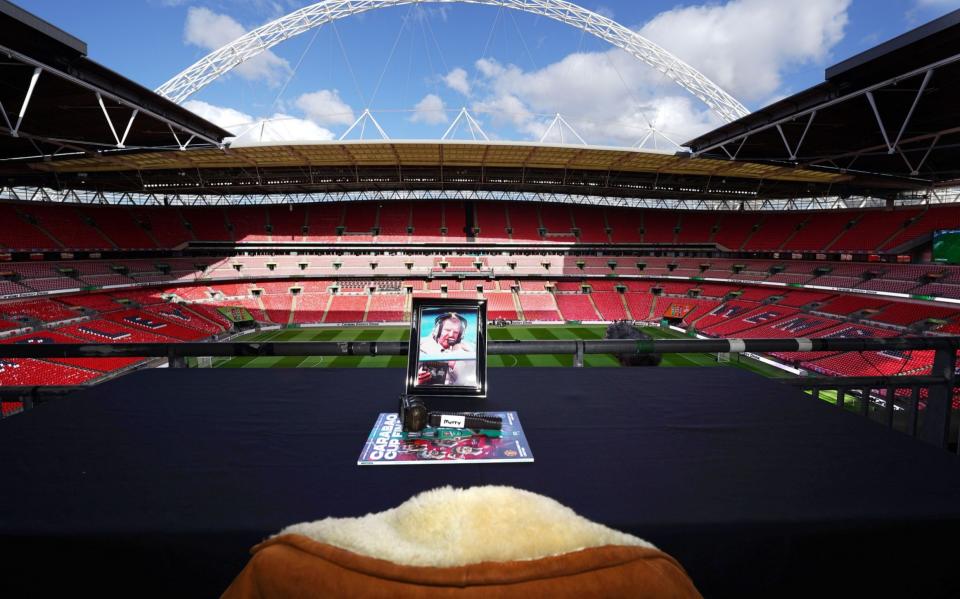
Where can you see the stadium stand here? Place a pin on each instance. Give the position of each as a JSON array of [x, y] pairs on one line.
[[819, 231], [385, 308], [17, 233], [394, 222], [207, 224], [43, 310], [591, 223], [165, 225], [925, 223], [625, 225], [278, 307], [322, 223], [659, 226], [68, 226], [359, 221], [539, 307], [39, 372], [576, 307], [775, 230], [850, 304], [524, 222], [696, 227], [286, 222], [120, 226], [248, 223], [347, 308]]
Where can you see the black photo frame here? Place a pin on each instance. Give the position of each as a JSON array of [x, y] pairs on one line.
[[436, 368]]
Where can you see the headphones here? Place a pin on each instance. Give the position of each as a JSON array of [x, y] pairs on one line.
[[438, 323]]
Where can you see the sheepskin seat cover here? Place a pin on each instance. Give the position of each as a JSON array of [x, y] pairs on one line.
[[489, 542]]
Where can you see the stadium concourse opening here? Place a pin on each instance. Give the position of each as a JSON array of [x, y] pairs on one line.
[[183, 325]]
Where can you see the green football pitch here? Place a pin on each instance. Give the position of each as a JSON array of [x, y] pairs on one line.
[[561, 332]]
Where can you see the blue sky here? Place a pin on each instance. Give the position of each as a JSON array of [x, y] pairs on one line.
[[416, 66]]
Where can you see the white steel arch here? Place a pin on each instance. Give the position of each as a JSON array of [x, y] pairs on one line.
[[220, 61]]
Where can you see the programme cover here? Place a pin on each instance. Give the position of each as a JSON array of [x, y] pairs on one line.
[[386, 445]]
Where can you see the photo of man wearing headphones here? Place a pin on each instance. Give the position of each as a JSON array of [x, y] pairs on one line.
[[448, 351]]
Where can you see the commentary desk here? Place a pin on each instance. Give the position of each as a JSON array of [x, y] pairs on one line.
[[157, 483]]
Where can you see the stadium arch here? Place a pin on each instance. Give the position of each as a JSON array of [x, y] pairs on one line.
[[254, 42]]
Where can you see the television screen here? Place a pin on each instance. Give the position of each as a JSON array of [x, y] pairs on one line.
[[946, 246], [447, 348]]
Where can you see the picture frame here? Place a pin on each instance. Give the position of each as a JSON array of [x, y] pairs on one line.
[[447, 356]]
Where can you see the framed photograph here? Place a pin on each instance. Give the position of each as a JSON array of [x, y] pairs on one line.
[[448, 348]]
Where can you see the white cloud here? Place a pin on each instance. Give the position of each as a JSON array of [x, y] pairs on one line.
[[209, 30], [325, 107], [249, 130], [744, 46], [283, 128], [430, 110], [457, 81], [232, 120]]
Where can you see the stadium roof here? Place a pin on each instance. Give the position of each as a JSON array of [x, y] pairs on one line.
[[411, 165], [54, 100], [891, 110]]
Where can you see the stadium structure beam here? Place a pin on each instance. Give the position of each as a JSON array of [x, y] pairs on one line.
[[220, 61], [82, 196], [889, 146], [100, 94]]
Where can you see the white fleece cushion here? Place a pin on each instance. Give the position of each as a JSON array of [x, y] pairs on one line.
[[449, 527]]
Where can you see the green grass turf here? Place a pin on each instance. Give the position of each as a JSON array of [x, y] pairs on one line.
[[495, 361]]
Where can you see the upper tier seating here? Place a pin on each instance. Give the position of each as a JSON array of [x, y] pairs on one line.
[[120, 226], [660, 226], [67, 225], [775, 230], [322, 222], [249, 223], [872, 230], [394, 222], [207, 224], [287, 222], [524, 221], [427, 221], [696, 227], [936, 217], [592, 224], [37, 226], [16, 233], [819, 231], [164, 224]]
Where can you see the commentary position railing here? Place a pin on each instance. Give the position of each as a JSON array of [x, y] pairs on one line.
[[917, 405]]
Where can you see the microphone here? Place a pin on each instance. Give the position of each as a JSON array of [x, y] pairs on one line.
[[415, 417]]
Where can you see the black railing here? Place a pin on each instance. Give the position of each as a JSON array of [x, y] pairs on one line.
[[897, 401]]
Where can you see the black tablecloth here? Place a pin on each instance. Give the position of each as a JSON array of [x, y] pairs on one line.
[[162, 480]]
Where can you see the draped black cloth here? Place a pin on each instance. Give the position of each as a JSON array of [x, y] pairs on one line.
[[158, 483]]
